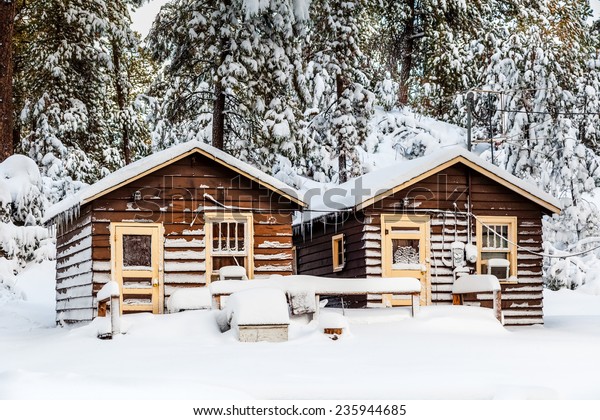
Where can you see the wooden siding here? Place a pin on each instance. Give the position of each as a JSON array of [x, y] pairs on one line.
[[314, 248], [74, 270], [521, 302]]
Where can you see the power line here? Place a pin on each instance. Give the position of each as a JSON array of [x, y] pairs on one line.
[[548, 112]]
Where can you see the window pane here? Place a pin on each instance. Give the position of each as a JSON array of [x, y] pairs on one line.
[[495, 237], [405, 251], [338, 250], [241, 235], [229, 238], [490, 255], [500, 272], [137, 251]]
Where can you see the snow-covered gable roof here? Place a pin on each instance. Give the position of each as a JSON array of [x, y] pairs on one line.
[[161, 159], [363, 191]]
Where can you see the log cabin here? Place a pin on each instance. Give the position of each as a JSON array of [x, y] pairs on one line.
[[166, 222], [435, 218]]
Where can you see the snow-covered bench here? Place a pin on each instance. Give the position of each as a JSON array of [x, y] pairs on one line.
[[322, 286], [408, 286], [478, 283]]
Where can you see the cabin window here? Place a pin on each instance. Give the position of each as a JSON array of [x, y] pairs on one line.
[[229, 243], [229, 238], [496, 239], [338, 251], [137, 251]]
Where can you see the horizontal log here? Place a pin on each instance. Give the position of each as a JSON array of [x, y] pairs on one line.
[[75, 280], [74, 315]]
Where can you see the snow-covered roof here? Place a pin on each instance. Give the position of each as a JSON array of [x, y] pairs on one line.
[[160, 159], [364, 190]]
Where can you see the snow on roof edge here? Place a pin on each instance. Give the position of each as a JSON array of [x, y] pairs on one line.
[[149, 163]]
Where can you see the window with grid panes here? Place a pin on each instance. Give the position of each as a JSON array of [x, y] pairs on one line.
[[497, 236]]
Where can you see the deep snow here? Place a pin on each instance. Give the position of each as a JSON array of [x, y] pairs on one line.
[[444, 353]]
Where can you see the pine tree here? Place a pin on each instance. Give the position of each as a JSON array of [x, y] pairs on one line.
[[77, 119], [231, 75], [543, 70], [336, 39]]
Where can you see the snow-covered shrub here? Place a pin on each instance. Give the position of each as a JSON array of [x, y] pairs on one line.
[[22, 206], [7, 279], [386, 92], [21, 178]]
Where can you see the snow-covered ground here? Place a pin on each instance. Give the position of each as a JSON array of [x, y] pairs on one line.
[[443, 353]]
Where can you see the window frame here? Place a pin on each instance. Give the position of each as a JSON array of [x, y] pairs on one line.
[[338, 241], [217, 217], [511, 223]]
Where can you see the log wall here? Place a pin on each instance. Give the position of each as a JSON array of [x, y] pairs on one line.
[[74, 270]]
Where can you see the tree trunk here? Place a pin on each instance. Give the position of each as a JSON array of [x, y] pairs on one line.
[[218, 122], [7, 24], [342, 161], [120, 88], [407, 40]]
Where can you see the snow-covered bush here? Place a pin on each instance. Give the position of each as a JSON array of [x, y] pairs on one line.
[[7, 279], [22, 206], [386, 92], [23, 182]]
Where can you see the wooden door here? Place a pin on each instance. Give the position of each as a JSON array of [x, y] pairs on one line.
[[405, 252], [137, 266]]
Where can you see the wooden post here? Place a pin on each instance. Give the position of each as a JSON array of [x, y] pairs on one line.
[[498, 305], [102, 308], [317, 306], [115, 315], [416, 304], [216, 302]]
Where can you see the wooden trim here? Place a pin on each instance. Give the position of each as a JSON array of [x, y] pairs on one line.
[[222, 216], [468, 163], [424, 224], [336, 242], [511, 221], [184, 155], [156, 230]]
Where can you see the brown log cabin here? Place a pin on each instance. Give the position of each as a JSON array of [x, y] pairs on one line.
[[434, 218], [166, 222]]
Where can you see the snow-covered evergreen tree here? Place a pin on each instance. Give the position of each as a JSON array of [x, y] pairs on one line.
[[231, 75], [542, 82], [336, 43], [78, 107]]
